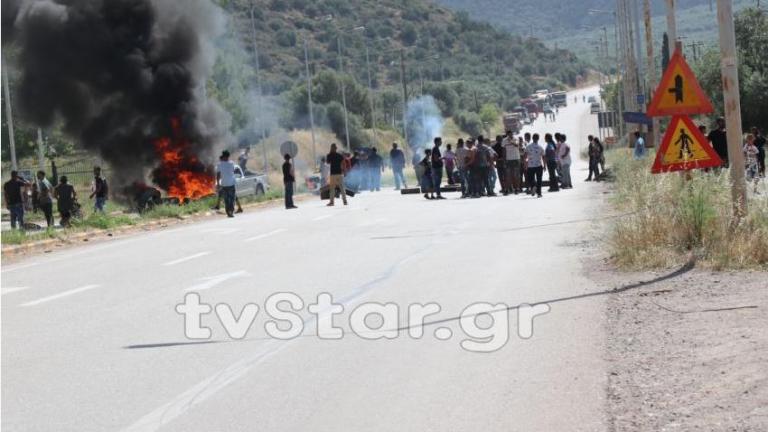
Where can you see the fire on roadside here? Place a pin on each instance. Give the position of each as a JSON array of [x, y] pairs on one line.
[[181, 174]]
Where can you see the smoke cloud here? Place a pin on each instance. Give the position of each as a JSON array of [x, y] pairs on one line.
[[116, 72], [424, 122]]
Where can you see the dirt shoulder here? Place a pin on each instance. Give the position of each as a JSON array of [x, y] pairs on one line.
[[687, 350]]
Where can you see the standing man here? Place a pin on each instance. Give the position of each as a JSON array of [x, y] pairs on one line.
[[65, 200], [12, 193], [450, 163], [524, 159], [289, 181], [550, 153], [498, 149], [639, 152], [376, 165], [485, 160], [225, 177], [44, 195], [335, 160], [461, 166], [242, 160], [535, 155], [511, 164], [437, 167], [594, 167], [564, 151], [99, 190], [719, 141], [760, 144], [397, 159]]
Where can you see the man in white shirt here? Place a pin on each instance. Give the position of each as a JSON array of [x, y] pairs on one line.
[[225, 178], [535, 154], [512, 164]]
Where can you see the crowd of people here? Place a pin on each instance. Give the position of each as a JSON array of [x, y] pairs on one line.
[[22, 195]]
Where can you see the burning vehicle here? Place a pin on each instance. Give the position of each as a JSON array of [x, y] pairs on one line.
[[126, 80]]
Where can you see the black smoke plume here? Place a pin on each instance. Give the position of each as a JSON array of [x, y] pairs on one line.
[[115, 72]]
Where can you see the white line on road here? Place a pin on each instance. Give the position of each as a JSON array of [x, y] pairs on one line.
[[13, 290], [59, 295], [212, 281], [185, 259], [19, 267], [265, 235], [319, 218]]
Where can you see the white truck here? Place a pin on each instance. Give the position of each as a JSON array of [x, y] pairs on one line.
[[248, 183]]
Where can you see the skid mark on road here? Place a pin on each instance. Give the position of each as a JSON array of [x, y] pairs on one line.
[[265, 235], [188, 258], [59, 295]]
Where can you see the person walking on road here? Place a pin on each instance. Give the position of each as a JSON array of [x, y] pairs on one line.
[[65, 200], [397, 160], [550, 153], [289, 181], [535, 154], [594, 159], [564, 151], [427, 177], [437, 167], [99, 190], [335, 160], [13, 193], [225, 177], [44, 194]]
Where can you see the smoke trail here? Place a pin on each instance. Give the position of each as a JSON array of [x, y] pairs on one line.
[[424, 122], [115, 72]]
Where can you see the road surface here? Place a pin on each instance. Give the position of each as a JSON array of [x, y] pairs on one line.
[[91, 340]]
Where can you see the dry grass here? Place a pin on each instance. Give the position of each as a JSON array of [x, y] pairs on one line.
[[671, 218]]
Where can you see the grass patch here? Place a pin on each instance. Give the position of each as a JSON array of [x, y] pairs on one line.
[[17, 237], [671, 217]]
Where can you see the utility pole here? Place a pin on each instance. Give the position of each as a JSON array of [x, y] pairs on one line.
[[671, 27], [651, 73], [343, 91], [9, 116], [371, 94], [405, 100], [638, 48], [311, 108], [732, 104], [260, 103]]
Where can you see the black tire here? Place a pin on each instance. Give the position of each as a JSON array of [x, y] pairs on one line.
[[259, 190]]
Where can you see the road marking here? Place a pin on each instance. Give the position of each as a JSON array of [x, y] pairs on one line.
[[265, 235], [19, 267], [59, 295], [185, 259], [13, 290], [212, 281], [319, 218]]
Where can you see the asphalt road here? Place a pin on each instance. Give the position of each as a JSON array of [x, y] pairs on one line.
[[91, 340]]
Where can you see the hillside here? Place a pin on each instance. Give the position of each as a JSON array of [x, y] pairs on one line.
[[569, 25]]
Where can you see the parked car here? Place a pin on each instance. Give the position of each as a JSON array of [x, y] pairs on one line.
[[594, 108], [249, 183]]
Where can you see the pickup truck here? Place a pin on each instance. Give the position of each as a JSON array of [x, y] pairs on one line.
[[249, 183]]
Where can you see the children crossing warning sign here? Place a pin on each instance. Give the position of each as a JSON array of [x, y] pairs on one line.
[[679, 92], [684, 148]]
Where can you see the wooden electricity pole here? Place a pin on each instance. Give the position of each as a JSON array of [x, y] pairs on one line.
[[732, 104]]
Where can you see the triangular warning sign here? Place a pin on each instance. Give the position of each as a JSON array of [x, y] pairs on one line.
[[679, 93], [684, 148]]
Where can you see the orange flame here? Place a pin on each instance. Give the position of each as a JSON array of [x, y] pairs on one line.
[[182, 175]]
